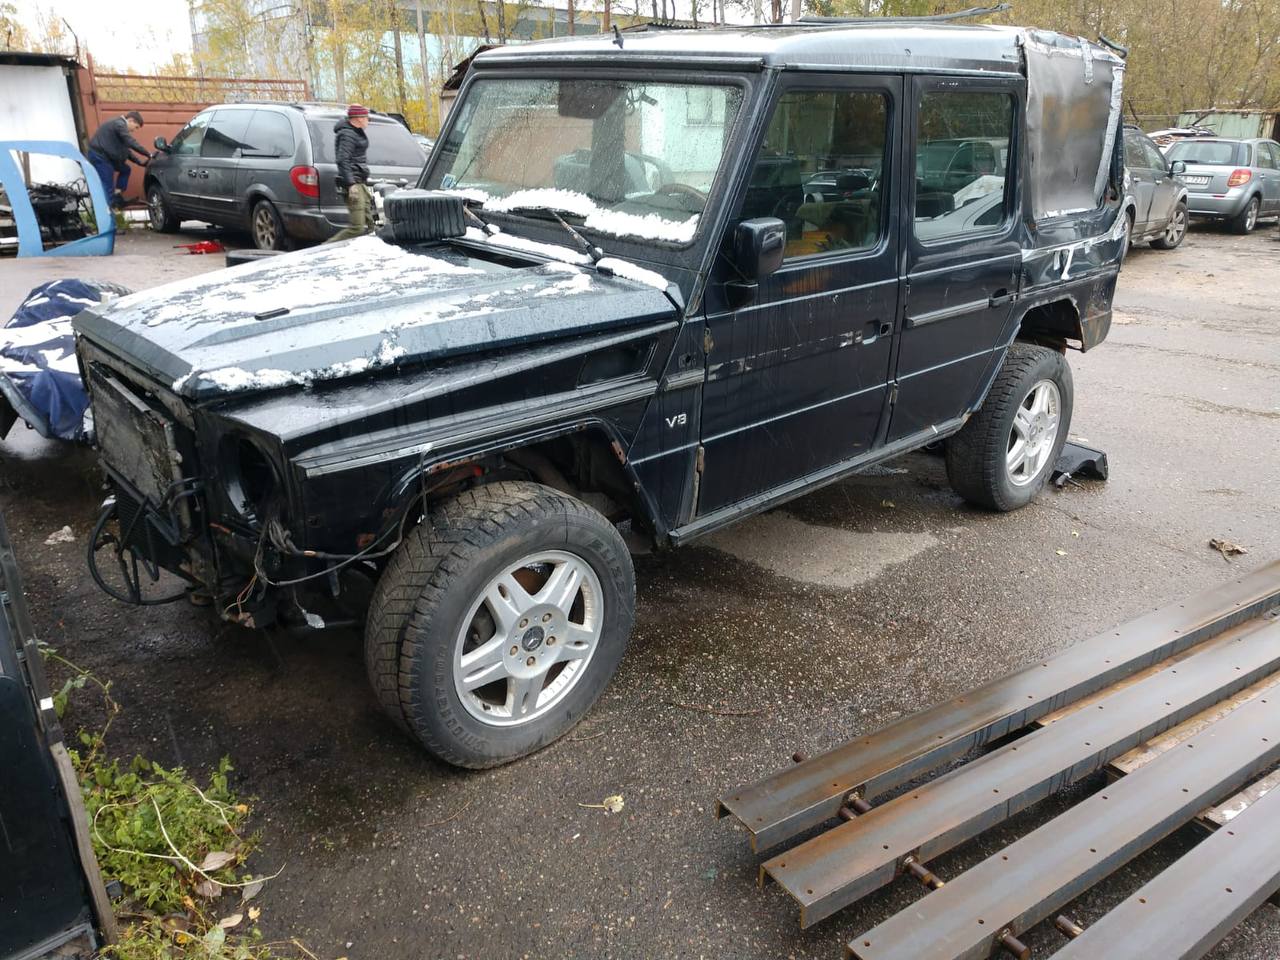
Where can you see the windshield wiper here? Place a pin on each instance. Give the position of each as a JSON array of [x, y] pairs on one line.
[[587, 247]]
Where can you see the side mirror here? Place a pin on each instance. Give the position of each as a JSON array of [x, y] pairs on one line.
[[1177, 166], [161, 143], [758, 249], [758, 246]]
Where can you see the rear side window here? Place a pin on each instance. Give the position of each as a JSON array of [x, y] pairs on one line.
[[1268, 156], [1135, 150], [270, 134], [962, 151], [820, 170], [1155, 159], [226, 133], [1206, 151], [390, 144]]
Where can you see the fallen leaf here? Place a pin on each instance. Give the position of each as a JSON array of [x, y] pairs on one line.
[[1075, 533], [1061, 553], [216, 860], [612, 804], [226, 923], [1227, 548], [888, 504], [188, 903], [242, 808], [208, 889], [65, 535], [255, 913], [251, 890]]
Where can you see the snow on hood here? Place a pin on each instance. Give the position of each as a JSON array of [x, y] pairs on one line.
[[345, 309]]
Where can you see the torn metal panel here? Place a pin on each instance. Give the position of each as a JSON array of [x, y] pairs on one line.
[[1074, 90]]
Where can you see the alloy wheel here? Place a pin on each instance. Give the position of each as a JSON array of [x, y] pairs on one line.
[[1035, 433], [1251, 215], [264, 228], [528, 638], [155, 209], [1177, 227]]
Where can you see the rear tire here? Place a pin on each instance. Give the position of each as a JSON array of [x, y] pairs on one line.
[[470, 585], [983, 462], [1244, 221], [1175, 231], [267, 228]]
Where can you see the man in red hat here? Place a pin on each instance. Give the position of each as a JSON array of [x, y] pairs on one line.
[[351, 150]]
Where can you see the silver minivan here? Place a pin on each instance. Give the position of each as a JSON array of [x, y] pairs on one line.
[[1233, 180]]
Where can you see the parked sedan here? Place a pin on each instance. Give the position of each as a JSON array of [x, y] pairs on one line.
[[1156, 193], [1233, 180], [268, 168]]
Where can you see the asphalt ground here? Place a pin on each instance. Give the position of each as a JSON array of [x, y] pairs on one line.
[[794, 630]]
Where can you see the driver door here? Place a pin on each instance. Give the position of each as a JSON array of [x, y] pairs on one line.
[[797, 378]]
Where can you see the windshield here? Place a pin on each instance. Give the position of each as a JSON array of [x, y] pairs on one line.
[[1205, 151], [627, 158]]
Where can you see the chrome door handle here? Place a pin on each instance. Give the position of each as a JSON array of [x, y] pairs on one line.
[[191, 173]]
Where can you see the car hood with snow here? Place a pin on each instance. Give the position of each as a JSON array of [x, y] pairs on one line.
[[345, 309]]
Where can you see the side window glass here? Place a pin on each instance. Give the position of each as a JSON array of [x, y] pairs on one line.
[[960, 176], [269, 135], [226, 133], [821, 170], [1135, 154], [1155, 159], [1268, 156], [187, 142]]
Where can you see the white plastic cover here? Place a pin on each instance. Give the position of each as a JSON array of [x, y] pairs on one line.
[[1074, 91]]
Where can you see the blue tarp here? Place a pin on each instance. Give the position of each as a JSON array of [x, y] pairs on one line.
[[39, 375]]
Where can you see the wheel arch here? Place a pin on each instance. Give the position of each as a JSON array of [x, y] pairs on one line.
[[585, 460], [1051, 323]]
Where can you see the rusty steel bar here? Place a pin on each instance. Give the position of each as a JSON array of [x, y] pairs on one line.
[[793, 800], [1067, 927], [1037, 875], [1192, 905], [835, 868]]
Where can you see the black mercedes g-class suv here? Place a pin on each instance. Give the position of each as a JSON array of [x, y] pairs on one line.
[[618, 305]]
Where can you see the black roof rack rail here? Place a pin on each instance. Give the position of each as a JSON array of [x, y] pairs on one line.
[[934, 18]]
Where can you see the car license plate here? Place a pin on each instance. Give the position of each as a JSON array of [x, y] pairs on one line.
[[1197, 181]]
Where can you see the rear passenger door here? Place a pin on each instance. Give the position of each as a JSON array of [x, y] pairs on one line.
[[962, 252], [219, 157], [797, 379], [1164, 188]]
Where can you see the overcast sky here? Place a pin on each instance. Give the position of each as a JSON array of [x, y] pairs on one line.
[[125, 36]]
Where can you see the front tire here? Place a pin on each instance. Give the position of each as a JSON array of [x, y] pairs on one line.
[[1004, 455], [1244, 221], [1175, 231], [499, 621], [161, 215]]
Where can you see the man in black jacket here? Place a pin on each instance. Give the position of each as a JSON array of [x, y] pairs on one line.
[[110, 150], [351, 150]]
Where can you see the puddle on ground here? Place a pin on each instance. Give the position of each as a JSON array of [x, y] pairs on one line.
[[818, 555]]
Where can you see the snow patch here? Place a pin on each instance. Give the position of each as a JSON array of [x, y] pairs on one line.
[[630, 271], [649, 226], [567, 288]]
